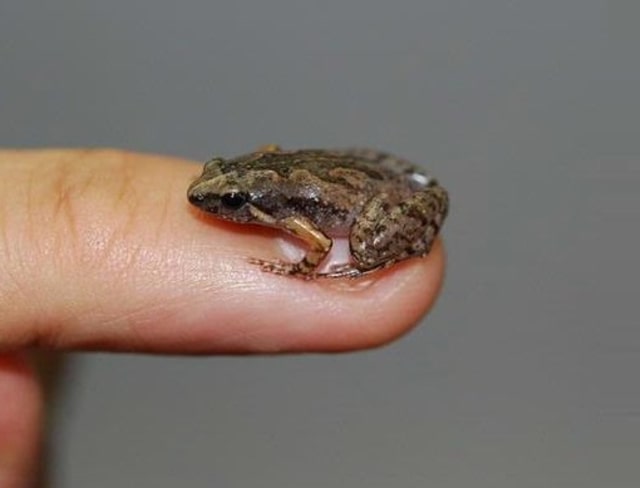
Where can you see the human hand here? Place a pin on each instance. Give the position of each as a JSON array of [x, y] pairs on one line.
[[100, 250]]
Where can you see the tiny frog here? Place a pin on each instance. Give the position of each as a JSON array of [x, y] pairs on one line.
[[387, 208]]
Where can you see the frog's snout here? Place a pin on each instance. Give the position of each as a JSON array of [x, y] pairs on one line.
[[196, 198], [197, 195]]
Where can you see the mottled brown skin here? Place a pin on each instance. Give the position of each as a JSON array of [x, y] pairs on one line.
[[389, 210]]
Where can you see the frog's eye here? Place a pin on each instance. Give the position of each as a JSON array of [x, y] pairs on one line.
[[233, 199]]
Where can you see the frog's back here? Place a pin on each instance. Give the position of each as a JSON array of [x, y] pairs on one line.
[[329, 187], [375, 166]]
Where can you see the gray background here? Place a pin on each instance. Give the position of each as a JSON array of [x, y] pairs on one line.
[[525, 374]]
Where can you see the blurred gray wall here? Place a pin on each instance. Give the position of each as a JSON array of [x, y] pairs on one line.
[[526, 373]]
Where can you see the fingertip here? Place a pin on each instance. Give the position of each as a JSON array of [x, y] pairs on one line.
[[396, 302], [284, 314]]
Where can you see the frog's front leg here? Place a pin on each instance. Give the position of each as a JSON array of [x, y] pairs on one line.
[[319, 246], [387, 232]]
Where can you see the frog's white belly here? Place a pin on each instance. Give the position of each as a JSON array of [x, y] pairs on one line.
[[294, 250]]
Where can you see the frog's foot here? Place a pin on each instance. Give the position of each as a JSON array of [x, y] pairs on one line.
[[350, 271], [284, 268], [344, 271]]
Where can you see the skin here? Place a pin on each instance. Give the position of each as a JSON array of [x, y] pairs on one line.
[[99, 250]]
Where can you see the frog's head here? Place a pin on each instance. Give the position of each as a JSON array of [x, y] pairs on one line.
[[234, 194]]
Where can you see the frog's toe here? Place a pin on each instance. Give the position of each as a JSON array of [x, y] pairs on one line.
[[277, 267], [282, 268], [343, 271]]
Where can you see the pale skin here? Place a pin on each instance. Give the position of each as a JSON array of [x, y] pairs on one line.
[[99, 250]]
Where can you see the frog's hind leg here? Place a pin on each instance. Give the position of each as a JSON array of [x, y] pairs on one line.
[[388, 232]]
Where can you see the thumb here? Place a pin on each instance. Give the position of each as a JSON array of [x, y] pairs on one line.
[[20, 415]]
